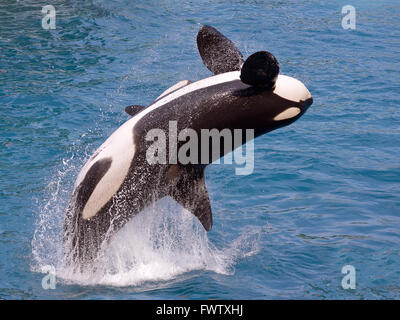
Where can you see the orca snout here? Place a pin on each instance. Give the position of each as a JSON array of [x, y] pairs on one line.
[[296, 97], [294, 90], [307, 103]]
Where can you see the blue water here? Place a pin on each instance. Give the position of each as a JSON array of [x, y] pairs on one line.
[[324, 192]]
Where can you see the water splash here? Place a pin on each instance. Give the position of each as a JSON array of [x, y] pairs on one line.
[[161, 243]]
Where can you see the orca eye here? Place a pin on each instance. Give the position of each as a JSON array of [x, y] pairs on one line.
[[260, 69]]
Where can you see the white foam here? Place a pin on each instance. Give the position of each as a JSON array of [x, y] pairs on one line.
[[163, 243]]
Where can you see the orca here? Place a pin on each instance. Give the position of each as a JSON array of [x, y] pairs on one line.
[[118, 182]]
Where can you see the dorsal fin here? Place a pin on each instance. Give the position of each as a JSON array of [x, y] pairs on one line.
[[190, 192], [219, 54], [176, 86], [133, 110]]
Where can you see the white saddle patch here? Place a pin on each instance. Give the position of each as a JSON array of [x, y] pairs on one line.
[[176, 86]]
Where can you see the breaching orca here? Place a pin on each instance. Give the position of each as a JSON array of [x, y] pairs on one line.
[[118, 181]]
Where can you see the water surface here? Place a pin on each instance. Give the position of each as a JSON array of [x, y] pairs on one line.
[[324, 192]]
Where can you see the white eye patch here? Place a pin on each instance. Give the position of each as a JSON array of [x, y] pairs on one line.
[[287, 114]]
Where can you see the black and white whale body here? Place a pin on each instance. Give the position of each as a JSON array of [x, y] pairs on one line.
[[118, 181]]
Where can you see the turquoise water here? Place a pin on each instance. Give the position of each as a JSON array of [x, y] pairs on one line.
[[324, 192]]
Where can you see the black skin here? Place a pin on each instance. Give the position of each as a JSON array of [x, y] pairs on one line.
[[232, 105], [260, 70]]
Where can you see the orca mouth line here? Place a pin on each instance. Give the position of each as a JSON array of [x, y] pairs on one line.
[[307, 103]]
